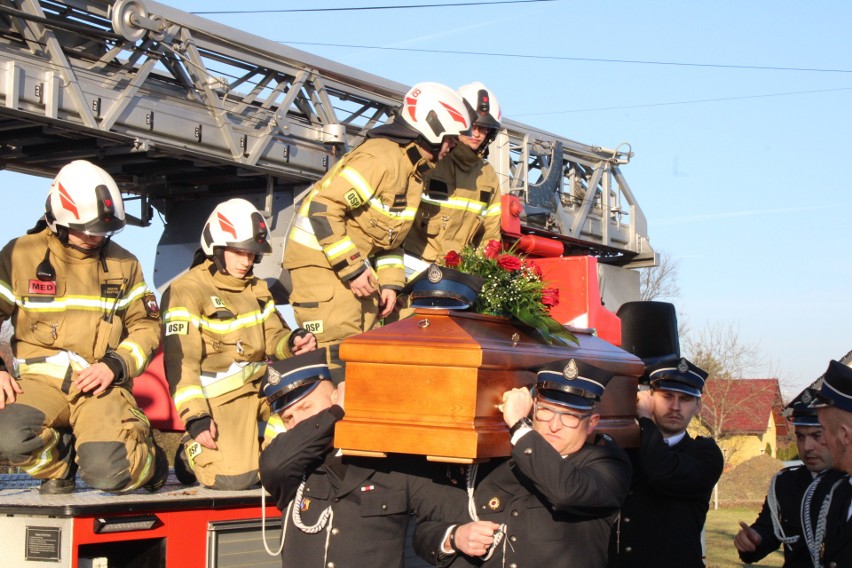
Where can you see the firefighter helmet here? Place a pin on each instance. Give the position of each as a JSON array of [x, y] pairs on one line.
[[236, 224], [482, 104], [435, 111], [85, 198]]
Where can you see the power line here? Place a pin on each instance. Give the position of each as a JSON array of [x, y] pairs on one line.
[[695, 101], [564, 58], [364, 8]]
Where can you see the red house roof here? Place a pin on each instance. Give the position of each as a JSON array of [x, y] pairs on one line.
[[744, 405]]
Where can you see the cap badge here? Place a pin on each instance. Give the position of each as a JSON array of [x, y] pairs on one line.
[[570, 371], [274, 377], [434, 275], [682, 366], [494, 503], [806, 397]]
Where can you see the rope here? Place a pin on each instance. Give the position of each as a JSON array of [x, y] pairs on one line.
[[814, 539], [263, 524], [772, 503], [499, 536]]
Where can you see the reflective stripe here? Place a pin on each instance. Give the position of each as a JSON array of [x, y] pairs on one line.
[[186, 394], [342, 247], [390, 262], [458, 203], [144, 475], [359, 183], [139, 358], [88, 303], [46, 456], [218, 326], [54, 366], [406, 214], [298, 235], [6, 292], [494, 210], [233, 378], [272, 428]]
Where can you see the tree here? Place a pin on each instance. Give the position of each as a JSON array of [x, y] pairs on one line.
[[659, 282], [719, 350]]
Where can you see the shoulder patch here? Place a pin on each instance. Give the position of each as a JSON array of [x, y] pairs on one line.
[[353, 199], [177, 328]]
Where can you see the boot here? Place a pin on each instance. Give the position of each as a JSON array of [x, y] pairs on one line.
[[183, 471], [63, 485], [161, 468]]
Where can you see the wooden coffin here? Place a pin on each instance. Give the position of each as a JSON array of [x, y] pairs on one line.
[[430, 385]]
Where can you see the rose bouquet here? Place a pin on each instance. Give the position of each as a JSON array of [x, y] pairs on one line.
[[513, 287]]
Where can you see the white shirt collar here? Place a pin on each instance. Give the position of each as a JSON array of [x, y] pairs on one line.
[[674, 440]]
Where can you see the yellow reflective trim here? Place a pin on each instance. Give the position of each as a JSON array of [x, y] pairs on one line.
[[390, 262], [46, 456], [186, 394], [179, 313], [6, 292], [359, 183], [223, 383], [139, 358], [298, 235], [457, 203], [250, 319], [406, 214], [306, 204], [47, 369], [339, 248]]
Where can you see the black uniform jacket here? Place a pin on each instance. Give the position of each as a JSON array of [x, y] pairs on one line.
[[558, 511], [661, 520], [836, 547], [790, 486], [370, 498]]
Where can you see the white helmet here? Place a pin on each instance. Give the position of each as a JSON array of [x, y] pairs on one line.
[[235, 224], [482, 104], [85, 198], [435, 111]]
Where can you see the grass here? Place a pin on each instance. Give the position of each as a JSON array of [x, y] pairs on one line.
[[722, 525]]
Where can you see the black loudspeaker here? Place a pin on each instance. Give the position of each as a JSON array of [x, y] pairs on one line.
[[649, 331]]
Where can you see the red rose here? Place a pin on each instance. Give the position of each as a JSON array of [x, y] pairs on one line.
[[508, 262], [452, 259], [550, 297], [492, 249], [536, 269]]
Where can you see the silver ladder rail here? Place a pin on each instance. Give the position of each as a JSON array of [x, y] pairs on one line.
[[178, 107]]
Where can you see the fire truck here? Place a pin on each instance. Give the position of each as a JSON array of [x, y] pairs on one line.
[[185, 112]]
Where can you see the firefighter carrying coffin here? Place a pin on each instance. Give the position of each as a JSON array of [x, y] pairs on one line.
[[430, 385]]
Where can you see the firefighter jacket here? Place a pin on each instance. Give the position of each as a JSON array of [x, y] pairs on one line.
[[360, 211], [217, 333], [460, 206], [97, 303]]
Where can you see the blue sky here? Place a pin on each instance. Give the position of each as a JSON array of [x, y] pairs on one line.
[[740, 171]]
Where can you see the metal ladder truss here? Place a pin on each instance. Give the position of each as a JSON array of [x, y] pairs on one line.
[[179, 108]]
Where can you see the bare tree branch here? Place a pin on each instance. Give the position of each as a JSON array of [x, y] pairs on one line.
[[657, 282]]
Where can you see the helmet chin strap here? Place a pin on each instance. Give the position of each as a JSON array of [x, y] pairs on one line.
[[62, 234], [219, 259]]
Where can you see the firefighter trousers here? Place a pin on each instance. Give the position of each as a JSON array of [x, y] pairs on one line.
[[234, 464], [111, 437], [327, 307]]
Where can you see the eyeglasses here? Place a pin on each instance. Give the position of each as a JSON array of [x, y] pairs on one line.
[[568, 419]]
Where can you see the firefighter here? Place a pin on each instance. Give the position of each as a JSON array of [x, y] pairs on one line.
[[85, 324], [673, 475], [339, 511], [219, 326], [344, 250], [461, 198], [829, 532], [780, 520], [554, 501]]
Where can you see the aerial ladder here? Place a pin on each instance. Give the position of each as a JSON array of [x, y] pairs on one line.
[[185, 112]]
